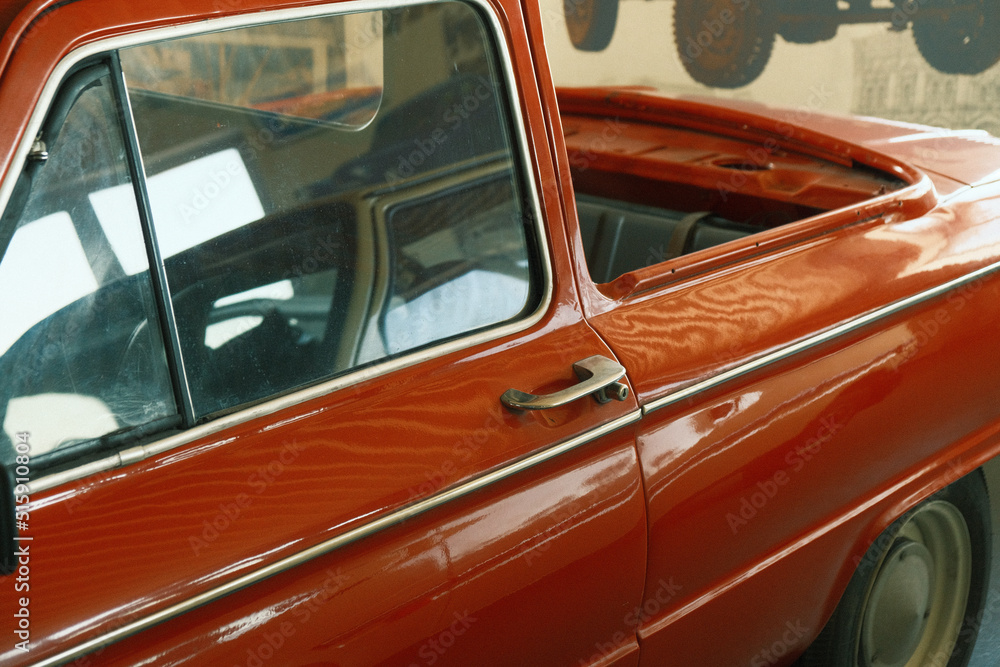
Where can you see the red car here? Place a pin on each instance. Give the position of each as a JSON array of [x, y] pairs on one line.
[[333, 335]]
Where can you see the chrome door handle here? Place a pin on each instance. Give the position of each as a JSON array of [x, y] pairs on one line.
[[598, 376]]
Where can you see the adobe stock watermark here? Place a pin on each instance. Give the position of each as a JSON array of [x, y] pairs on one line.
[[873, 553], [364, 34], [227, 5], [202, 196], [767, 489], [257, 482], [758, 158], [433, 649], [928, 327], [463, 451], [794, 634], [272, 641], [973, 625], [665, 593], [77, 499], [582, 159], [453, 118], [329, 251], [92, 658], [715, 28], [22, 552], [417, 325], [561, 521], [905, 12]]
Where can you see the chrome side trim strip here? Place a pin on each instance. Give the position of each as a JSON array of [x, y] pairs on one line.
[[512, 103], [335, 543], [827, 336]]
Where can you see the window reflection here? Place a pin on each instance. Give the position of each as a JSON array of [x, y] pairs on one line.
[[80, 349], [45, 268], [329, 192]]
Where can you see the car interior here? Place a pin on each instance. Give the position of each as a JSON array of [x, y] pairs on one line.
[[647, 193]]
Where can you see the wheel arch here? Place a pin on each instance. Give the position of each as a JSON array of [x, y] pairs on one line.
[[899, 499]]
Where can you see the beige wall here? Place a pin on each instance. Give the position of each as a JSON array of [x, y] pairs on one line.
[[865, 69]]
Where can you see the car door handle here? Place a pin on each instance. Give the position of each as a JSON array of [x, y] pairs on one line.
[[598, 375]]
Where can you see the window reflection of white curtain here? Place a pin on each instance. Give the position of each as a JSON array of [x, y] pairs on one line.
[[192, 203], [43, 270], [474, 300]]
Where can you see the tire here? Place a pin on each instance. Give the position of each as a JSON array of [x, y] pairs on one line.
[[819, 28], [917, 596], [805, 33], [721, 44], [962, 43], [591, 23]]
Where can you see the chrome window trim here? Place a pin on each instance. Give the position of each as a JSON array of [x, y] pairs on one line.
[[339, 541], [377, 206], [819, 339], [528, 176]]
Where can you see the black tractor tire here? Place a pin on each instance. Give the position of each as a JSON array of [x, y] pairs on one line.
[[964, 42], [591, 23], [722, 44], [804, 29], [803, 33]]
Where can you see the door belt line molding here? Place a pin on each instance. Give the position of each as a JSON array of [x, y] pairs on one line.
[[339, 541], [825, 337]]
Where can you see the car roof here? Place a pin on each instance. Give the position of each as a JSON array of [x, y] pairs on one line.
[[17, 18]]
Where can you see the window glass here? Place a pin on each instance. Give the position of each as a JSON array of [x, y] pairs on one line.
[[458, 259], [80, 349], [329, 192]]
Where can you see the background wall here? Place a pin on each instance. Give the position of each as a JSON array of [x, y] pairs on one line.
[[865, 69]]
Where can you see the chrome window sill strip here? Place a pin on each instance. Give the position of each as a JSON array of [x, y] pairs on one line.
[[220, 424], [826, 336], [335, 543]]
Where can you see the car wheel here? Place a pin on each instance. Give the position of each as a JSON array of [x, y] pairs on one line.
[[918, 594], [591, 23], [965, 41], [721, 44]]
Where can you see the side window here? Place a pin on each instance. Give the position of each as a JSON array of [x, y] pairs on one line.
[[330, 192], [81, 355]]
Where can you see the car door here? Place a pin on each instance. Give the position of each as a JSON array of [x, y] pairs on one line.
[[269, 278], [806, 377]]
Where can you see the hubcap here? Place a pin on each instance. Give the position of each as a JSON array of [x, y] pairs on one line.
[[914, 610], [899, 605]]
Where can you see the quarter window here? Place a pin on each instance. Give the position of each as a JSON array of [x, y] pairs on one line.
[[81, 355]]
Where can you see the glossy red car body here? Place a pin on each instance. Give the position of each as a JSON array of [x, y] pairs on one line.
[[793, 392]]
